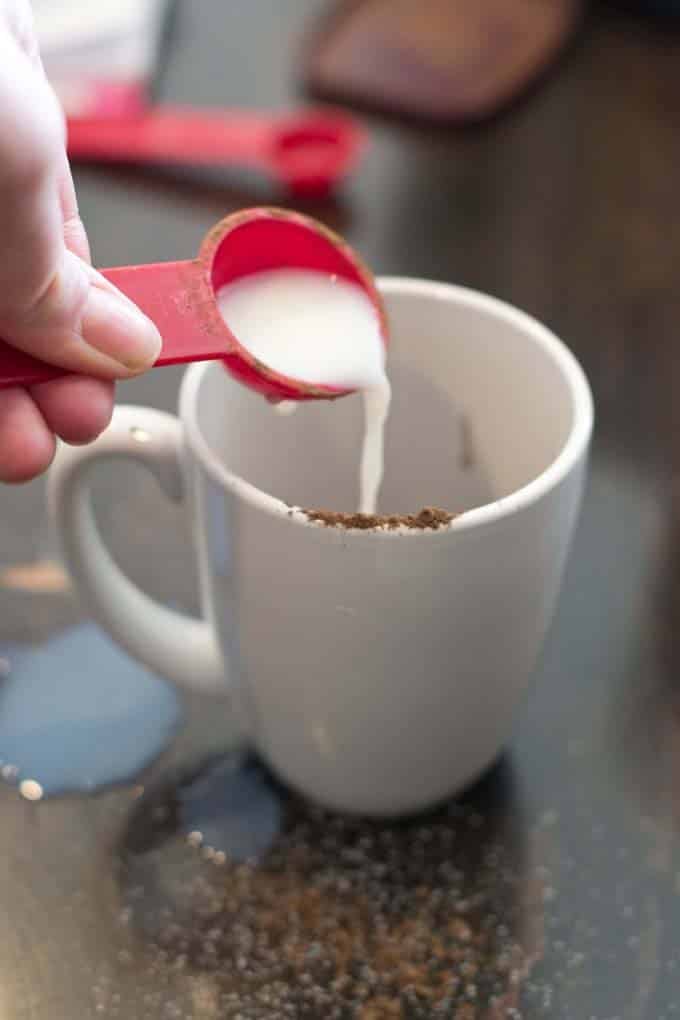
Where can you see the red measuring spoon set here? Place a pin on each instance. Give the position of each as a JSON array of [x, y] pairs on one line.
[[307, 153]]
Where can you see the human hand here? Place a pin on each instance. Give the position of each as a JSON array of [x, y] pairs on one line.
[[53, 304]]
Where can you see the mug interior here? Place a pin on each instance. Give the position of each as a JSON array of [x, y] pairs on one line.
[[482, 405]]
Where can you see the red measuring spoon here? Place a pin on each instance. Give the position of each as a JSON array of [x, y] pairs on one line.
[[180, 298], [306, 152]]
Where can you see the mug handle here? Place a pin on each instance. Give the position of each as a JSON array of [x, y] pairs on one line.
[[176, 646]]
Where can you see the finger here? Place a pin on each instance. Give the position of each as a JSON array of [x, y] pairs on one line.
[[18, 15], [26, 444], [51, 303], [84, 324], [31, 138], [76, 408]]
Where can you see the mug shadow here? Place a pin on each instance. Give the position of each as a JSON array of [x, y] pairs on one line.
[[224, 872]]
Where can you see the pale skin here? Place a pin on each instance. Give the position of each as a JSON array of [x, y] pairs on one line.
[[53, 304]]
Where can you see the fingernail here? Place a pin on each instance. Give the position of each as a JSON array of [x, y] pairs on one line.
[[116, 328]]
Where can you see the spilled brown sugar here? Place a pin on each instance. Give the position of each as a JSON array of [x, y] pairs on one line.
[[430, 518]]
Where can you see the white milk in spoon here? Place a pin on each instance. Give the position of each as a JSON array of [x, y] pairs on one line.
[[318, 329]]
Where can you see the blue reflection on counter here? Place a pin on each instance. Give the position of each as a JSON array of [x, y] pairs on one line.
[[77, 714]]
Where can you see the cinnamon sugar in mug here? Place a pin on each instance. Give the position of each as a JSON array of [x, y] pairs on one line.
[[377, 671]]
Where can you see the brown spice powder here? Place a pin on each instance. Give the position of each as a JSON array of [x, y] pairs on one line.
[[430, 518]]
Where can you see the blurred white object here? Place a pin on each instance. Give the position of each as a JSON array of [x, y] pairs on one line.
[[99, 56]]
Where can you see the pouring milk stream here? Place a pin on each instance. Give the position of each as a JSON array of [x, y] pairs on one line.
[[319, 329]]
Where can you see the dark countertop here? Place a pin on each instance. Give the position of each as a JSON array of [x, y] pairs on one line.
[[559, 874]]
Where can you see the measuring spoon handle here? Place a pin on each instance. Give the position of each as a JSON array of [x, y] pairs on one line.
[[172, 294]]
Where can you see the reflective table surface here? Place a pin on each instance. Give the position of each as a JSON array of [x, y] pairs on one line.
[[148, 868]]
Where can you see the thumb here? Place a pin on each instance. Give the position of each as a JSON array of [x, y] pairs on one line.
[[82, 323]]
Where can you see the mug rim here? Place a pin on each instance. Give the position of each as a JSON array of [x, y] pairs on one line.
[[487, 513]]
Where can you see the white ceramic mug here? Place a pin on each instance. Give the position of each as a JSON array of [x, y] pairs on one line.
[[376, 671]]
